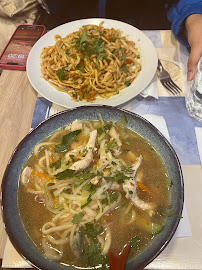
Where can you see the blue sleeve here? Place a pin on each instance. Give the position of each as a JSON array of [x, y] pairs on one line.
[[178, 13]]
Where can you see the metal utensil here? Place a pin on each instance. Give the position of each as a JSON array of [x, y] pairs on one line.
[[166, 80]]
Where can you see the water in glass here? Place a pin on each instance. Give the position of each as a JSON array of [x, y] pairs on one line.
[[194, 97]]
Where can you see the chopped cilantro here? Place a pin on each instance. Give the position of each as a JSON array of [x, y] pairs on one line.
[[77, 218], [134, 242], [123, 56], [81, 41], [66, 140], [112, 145], [113, 39], [123, 121], [91, 255], [56, 164], [91, 231], [172, 214], [96, 65], [125, 69], [86, 174], [101, 56], [65, 174], [60, 73], [91, 188], [104, 129], [80, 68], [112, 195], [127, 170], [83, 37], [166, 212], [72, 157], [116, 50], [128, 83], [119, 177], [88, 201], [91, 252], [89, 48]]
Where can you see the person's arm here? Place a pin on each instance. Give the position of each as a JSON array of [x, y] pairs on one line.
[[186, 19], [194, 35]]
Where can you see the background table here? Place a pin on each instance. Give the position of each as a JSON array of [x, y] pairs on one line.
[[17, 104]]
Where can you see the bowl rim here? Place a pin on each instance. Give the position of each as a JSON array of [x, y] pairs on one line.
[[43, 263]]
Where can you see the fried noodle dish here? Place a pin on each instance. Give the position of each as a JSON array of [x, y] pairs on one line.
[[94, 61]]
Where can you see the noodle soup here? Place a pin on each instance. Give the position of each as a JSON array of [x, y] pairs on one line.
[[91, 187]]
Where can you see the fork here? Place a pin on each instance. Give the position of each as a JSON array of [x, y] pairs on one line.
[[50, 111], [166, 80]]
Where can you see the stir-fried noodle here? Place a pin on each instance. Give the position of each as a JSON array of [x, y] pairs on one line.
[[94, 61]]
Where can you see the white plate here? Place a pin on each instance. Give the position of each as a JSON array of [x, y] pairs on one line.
[[148, 57]]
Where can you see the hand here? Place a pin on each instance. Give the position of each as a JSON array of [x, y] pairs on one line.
[[194, 35]]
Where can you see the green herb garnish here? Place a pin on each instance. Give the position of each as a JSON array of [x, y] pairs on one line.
[[123, 56], [134, 242], [113, 39], [86, 174], [128, 83], [80, 68], [60, 73], [81, 41], [88, 201], [104, 129], [119, 177], [66, 140], [56, 164], [162, 211], [91, 252], [89, 48], [123, 121], [116, 50], [65, 174], [77, 218], [125, 69], [91, 231]]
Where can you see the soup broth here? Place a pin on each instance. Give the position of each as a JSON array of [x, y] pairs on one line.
[[91, 187]]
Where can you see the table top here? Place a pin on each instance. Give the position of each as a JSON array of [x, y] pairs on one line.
[[18, 101]]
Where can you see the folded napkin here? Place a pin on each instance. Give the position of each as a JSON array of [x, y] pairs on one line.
[[12, 259], [198, 132], [151, 90]]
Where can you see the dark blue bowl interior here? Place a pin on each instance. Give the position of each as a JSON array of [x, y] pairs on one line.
[[14, 226]]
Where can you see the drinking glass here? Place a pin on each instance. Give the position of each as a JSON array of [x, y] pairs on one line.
[[194, 96]]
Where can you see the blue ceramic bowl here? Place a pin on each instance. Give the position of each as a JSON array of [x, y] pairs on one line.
[[11, 217]]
